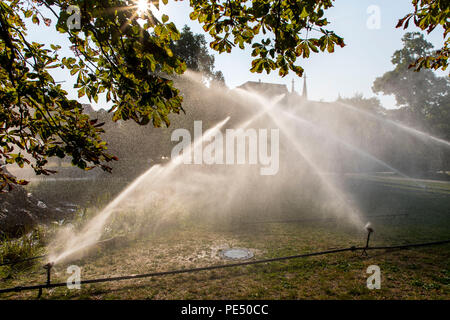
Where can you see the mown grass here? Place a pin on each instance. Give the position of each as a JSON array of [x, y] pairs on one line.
[[421, 273]]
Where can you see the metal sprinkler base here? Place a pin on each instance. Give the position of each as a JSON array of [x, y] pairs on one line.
[[236, 254]]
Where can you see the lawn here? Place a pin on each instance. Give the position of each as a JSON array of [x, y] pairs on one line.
[[420, 273]]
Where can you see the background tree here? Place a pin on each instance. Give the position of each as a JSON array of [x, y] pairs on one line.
[[372, 105], [424, 97], [193, 50]]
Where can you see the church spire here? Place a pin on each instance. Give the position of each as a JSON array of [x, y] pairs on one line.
[[305, 90]]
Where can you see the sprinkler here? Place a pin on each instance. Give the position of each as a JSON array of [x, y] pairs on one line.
[[49, 267], [369, 232]]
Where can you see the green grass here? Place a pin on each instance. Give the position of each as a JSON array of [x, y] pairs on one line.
[[25, 247], [22, 248], [421, 273], [410, 274]]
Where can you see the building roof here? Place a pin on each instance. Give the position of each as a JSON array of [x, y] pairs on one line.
[[264, 88]]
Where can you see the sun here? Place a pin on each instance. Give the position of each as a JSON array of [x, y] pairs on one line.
[[142, 6]]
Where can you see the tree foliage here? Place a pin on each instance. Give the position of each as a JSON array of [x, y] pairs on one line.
[[128, 57], [193, 49], [427, 15], [113, 53], [372, 105], [424, 94], [286, 30]]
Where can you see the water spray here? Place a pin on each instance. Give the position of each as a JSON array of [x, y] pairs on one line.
[[397, 125], [93, 230], [370, 230], [326, 133]]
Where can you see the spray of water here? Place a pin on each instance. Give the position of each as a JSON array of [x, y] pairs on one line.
[[93, 231], [403, 127], [225, 190], [329, 135], [343, 208]]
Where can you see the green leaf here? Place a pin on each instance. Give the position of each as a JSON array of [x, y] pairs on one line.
[[81, 92], [304, 13]]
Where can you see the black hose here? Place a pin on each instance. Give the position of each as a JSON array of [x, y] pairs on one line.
[[166, 273]]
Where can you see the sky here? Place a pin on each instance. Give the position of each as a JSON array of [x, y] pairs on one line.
[[370, 43]]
